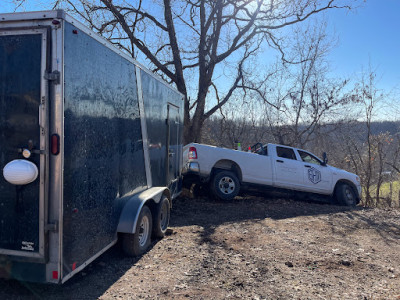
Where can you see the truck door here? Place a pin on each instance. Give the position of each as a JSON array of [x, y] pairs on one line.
[[288, 172], [23, 115], [173, 148], [317, 178]]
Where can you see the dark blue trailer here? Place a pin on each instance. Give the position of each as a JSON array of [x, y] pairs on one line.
[[90, 148]]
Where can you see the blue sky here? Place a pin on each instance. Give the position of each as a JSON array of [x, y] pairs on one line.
[[371, 34]]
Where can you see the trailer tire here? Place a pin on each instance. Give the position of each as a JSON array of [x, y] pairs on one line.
[[225, 185], [161, 217], [345, 195], [136, 244]]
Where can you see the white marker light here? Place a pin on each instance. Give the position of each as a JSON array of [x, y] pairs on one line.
[[20, 172]]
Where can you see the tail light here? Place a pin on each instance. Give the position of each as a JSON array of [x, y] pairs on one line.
[[55, 274], [192, 153], [55, 144]]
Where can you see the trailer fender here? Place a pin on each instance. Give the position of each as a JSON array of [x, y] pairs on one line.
[[130, 212]]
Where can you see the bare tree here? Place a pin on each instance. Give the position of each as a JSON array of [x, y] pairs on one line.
[[297, 99], [298, 94], [241, 122], [370, 154], [192, 43]]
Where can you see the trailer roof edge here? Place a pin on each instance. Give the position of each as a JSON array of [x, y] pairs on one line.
[[32, 15], [61, 14]]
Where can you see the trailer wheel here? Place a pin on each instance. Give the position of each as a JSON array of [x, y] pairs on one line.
[[136, 244], [345, 195], [225, 185], [161, 218]]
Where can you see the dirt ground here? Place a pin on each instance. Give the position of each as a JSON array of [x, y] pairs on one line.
[[249, 248]]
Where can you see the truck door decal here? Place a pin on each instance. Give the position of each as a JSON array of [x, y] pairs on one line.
[[314, 175]]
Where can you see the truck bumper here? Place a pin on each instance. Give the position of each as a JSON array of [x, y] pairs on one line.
[[359, 191], [191, 168], [191, 174]]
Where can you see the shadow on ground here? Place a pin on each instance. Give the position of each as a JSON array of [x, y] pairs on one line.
[[206, 211], [105, 271], [209, 214], [90, 283]]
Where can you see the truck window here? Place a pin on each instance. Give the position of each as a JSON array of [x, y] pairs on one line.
[[285, 152], [262, 151], [308, 158]]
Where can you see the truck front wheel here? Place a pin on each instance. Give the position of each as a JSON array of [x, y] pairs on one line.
[[225, 185], [136, 244], [345, 195]]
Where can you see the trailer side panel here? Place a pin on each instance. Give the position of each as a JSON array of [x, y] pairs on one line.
[[164, 117], [103, 148]]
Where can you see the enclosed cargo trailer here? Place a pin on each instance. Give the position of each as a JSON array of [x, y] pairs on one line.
[[90, 148]]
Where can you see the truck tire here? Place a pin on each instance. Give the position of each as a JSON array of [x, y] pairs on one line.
[[345, 195], [161, 218], [136, 244], [225, 185]]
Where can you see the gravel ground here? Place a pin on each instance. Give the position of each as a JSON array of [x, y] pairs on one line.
[[249, 248]]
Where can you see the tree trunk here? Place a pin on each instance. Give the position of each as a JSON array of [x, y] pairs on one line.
[[192, 132]]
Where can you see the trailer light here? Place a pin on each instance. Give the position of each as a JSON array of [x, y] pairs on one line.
[[55, 22], [75, 31], [55, 144], [192, 153], [73, 266], [26, 153], [55, 274]]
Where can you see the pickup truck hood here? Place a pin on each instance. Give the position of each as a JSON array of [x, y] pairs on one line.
[[343, 173]]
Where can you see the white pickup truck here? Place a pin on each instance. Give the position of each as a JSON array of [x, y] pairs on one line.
[[277, 166]]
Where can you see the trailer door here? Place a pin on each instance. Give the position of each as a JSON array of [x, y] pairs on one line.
[[23, 115], [173, 148]]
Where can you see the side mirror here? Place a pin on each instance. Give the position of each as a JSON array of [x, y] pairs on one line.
[[325, 159]]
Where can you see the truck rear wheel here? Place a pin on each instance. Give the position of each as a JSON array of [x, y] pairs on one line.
[[345, 195], [225, 185], [136, 244], [161, 218]]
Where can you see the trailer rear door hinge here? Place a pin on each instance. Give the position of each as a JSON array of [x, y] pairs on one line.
[[53, 76], [51, 226]]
